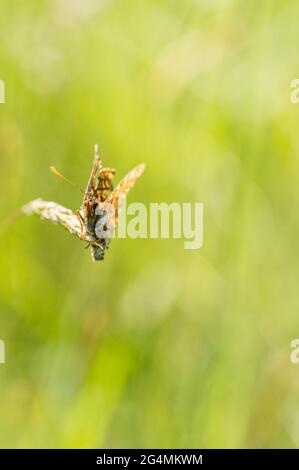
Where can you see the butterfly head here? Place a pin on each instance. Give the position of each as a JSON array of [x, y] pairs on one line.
[[106, 174], [103, 183]]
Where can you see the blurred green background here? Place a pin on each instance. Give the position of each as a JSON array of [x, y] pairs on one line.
[[157, 346]]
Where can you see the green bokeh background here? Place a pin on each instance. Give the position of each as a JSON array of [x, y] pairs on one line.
[[157, 346]]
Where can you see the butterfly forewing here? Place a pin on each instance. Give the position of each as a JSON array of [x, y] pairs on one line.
[[93, 175], [122, 189]]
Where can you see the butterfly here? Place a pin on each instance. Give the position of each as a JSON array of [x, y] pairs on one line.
[[96, 219]]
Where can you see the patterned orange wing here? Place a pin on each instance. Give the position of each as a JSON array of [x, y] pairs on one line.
[[94, 173], [123, 188]]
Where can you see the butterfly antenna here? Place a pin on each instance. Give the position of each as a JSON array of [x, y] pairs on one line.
[[56, 173]]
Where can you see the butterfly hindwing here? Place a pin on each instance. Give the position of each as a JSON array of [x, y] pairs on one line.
[[123, 188]]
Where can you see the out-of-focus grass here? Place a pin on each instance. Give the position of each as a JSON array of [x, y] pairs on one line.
[[157, 346]]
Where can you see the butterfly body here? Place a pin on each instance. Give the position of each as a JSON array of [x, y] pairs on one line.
[[92, 213], [98, 228], [101, 232]]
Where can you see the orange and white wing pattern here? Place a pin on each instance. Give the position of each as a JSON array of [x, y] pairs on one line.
[[124, 187]]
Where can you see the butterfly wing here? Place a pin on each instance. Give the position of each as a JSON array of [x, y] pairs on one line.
[[123, 188], [94, 172]]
